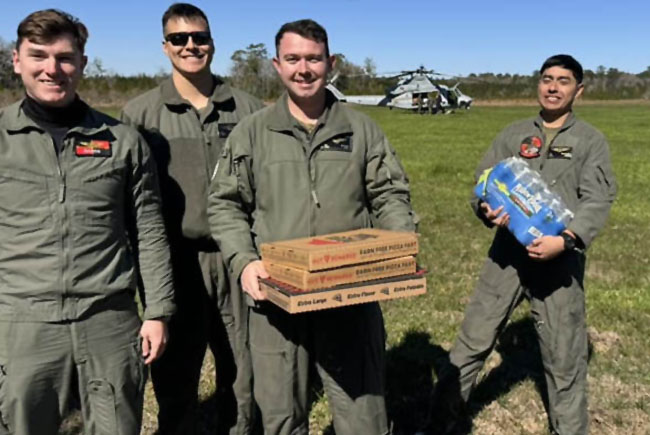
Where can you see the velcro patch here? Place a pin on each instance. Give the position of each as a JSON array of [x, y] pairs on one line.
[[225, 129], [560, 152], [93, 148], [339, 143]]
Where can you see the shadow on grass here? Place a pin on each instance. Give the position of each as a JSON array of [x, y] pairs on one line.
[[521, 360], [409, 384], [409, 380]]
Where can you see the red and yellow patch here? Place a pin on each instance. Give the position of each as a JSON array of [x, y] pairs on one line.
[[93, 148]]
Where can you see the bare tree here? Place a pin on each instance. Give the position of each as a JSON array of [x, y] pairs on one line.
[[8, 79], [95, 68], [252, 71]]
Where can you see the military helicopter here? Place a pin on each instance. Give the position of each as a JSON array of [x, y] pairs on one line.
[[415, 90]]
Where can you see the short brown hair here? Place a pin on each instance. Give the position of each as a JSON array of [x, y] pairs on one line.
[[306, 28], [185, 11], [43, 27]]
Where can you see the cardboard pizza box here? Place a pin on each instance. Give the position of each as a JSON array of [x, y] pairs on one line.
[[306, 280], [340, 249], [294, 300]]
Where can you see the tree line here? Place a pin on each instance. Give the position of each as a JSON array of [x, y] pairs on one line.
[[252, 70]]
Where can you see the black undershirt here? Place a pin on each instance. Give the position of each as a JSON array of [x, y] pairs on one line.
[[56, 121]]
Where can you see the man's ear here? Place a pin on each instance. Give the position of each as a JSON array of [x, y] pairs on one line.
[[331, 61], [15, 60], [276, 64], [165, 48], [581, 89]]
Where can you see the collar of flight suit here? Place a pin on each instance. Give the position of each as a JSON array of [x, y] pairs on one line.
[[568, 122], [332, 122], [14, 120], [170, 96]]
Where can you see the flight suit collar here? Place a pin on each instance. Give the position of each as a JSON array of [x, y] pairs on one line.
[[171, 97], [568, 122], [332, 121], [15, 120]]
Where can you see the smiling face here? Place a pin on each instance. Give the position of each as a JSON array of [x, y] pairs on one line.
[[50, 72], [189, 59], [303, 65], [557, 89]]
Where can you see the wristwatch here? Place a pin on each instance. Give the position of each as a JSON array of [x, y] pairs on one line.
[[569, 242]]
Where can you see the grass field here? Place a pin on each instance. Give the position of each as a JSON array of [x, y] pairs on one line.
[[440, 154]]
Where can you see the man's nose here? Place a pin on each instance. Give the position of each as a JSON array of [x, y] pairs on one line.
[[51, 66], [190, 43], [303, 67]]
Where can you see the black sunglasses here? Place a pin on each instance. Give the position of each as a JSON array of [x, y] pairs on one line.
[[181, 38]]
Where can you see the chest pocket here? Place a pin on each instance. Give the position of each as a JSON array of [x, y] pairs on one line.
[[99, 196], [338, 164], [23, 198], [561, 161]]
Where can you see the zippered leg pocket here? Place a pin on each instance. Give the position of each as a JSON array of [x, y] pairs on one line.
[[103, 415]]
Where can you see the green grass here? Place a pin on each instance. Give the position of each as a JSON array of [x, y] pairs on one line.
[[440, 154]]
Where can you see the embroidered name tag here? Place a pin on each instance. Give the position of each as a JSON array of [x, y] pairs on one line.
[[93, 148], [560, 152], [225, 129], [341, 143]]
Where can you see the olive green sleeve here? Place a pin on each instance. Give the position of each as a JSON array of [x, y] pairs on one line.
[[126, 119], [132, 114], [497, 152], [387, 186], [596, 191], [246, 104], [231, 203], [150, 240]]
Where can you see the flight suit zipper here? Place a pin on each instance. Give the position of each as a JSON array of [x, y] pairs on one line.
[[312, 176], [61, 213], [547, 150], [205, 143]]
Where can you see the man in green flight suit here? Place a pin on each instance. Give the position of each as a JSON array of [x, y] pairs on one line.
[[186, 121], [308, 165], [73, 183], [573, 158]]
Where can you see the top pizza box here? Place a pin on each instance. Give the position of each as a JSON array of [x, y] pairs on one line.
[[341, 249]]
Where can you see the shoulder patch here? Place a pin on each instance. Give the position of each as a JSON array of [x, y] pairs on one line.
[[530, 147]]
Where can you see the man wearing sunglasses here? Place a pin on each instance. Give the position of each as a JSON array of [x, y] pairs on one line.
[[186, 121]]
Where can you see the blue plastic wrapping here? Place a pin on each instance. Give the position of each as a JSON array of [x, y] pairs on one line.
[[534, 210]]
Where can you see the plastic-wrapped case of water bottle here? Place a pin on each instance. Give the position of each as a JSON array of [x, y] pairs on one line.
[[534, 209]]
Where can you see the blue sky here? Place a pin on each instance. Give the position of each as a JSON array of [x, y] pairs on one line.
[[456, 38]]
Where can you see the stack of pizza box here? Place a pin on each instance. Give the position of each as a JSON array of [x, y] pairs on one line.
[[334, 270]]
